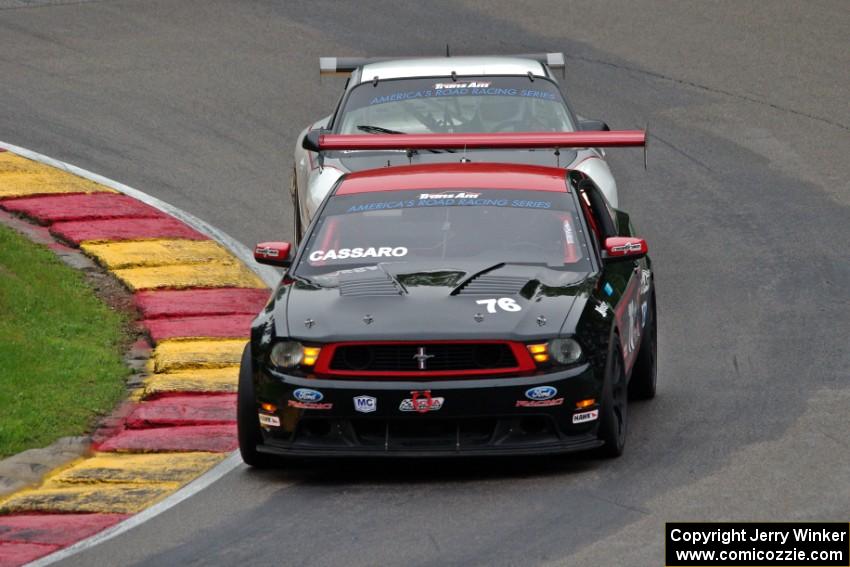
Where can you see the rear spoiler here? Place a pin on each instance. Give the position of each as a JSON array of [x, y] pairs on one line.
[[318, 140], [342, 65]]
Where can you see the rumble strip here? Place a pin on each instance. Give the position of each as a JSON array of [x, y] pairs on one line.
[[196, 299]]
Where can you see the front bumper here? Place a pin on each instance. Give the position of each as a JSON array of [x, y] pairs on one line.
[[482, 416]]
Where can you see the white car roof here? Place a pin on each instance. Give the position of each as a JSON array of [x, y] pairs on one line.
[[444, 66]]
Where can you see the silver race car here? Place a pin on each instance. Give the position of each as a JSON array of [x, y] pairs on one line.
[[441, 95]]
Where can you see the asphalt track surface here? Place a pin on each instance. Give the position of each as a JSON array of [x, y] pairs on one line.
[[745, 206]]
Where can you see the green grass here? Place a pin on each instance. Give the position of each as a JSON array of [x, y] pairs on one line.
[[60, 348]]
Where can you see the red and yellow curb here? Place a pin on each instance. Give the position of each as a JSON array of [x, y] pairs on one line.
[[196, 300]]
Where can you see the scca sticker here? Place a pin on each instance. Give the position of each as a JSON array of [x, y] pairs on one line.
[[346, 253]]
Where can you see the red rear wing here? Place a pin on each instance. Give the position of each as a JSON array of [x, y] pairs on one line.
[[317, 141]]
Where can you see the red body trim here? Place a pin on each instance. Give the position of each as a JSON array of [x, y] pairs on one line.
[[457, 177], [322, 369], [500, 140]]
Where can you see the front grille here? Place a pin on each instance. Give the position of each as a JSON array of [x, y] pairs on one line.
[[424, 433], [440, 357]]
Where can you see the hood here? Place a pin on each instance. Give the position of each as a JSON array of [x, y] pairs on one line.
[[396, 302]]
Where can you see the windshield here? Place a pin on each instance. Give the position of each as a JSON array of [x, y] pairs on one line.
[[445, 228], [468, 104]]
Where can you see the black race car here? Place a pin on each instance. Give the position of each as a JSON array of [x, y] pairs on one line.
[[453, 309]]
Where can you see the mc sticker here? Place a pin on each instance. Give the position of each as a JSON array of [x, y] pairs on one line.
[[586, 416], [365, 404]]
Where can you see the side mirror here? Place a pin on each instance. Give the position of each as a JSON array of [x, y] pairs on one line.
[[620, 248], [311, 140], [591, 125], [273, 254]]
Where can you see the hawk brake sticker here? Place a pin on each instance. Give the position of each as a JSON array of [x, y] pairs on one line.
[[269, 420], [586, 416], [346, 253]]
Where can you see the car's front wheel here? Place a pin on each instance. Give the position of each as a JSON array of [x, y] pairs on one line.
[[614, 416], [247, 421]]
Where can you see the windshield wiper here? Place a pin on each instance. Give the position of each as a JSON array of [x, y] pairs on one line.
[[471, 277], [369, 129], [377, 129]]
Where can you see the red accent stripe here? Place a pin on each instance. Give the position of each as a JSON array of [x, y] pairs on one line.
[[524, 362], [456, 177], [501, 140]]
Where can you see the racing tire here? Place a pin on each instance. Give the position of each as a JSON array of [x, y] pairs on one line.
[[644, 373], [296, 209], [247, 423], [614, 414]]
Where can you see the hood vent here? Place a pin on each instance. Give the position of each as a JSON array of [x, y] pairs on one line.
[[369, 287], [492, 285]]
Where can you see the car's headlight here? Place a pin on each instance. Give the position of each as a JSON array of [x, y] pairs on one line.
[[289, 354], [565, 351]]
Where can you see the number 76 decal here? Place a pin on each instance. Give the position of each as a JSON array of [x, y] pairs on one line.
[[504, 303]]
